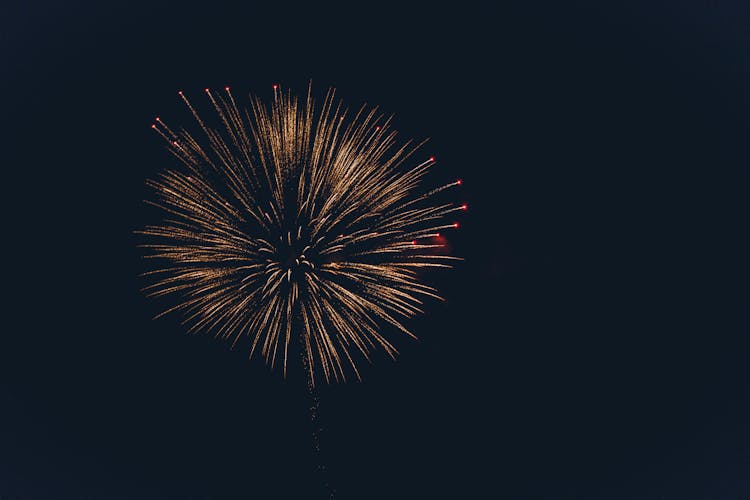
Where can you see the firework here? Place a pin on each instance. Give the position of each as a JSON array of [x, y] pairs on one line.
[[288, 220]]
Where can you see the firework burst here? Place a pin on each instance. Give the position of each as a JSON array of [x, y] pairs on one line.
[[288, 220]]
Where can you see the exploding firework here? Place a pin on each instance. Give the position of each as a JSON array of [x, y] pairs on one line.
[[288, 220]]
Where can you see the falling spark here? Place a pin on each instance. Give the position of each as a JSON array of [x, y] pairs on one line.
[[290, 221]]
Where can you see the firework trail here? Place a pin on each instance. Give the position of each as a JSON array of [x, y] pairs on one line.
[[288, 220]]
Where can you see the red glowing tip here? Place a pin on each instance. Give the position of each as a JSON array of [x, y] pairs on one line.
[[275, 86], [206, 90], [432, 158], [437, 235], [174, 142], [459, 182], [153, 125], [413, 242], [377, 128], [455, 224], [226, 88], [179, 92], [464, 207]]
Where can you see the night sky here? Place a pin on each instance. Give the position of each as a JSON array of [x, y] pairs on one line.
[[593, 345]]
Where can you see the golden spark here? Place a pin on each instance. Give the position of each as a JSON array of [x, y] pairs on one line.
[[288, 220]]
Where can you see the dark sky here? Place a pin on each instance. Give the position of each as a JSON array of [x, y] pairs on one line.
[[593, 345]]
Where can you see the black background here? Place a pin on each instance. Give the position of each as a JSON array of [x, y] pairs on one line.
[[593, 345]]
